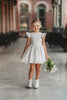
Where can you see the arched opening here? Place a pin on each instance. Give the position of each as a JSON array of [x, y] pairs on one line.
[[41, 14], [24, 17]]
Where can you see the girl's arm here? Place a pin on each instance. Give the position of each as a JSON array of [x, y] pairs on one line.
[[26, 46], [43, 43]]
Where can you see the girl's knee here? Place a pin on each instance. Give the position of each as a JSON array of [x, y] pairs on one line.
[[32, 67], [38, 68]]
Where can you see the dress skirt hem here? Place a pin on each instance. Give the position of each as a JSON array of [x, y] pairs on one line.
[[32, 62]]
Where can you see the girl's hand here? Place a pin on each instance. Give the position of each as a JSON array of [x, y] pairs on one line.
[[47, 57]]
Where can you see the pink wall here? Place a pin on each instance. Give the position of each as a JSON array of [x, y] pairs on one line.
[[65, 13]]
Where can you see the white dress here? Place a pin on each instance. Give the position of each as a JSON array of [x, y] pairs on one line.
[[35, 52]]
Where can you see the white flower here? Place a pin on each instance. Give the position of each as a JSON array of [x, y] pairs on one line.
[[53, 69]]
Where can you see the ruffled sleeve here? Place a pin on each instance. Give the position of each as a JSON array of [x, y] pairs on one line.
[[43, 34], [28, 34]]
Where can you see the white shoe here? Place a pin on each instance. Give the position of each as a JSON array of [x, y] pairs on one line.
[[36, 84], [29, 83]]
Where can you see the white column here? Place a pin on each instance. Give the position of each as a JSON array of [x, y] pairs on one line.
[[54, 15]]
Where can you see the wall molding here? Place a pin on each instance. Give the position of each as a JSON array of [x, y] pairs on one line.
[[39, 3], [25, 2]]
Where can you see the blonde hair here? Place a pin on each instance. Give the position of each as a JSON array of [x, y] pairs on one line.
[[36, 20]]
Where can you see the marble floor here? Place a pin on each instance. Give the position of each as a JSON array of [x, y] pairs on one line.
[[14, 76]]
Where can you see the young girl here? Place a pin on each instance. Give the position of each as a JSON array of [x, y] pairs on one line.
[[35, 51]]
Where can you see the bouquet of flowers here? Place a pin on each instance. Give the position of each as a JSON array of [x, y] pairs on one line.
[[50, 66]]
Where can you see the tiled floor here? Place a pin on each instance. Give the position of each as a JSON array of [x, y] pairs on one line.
[[14, 76]]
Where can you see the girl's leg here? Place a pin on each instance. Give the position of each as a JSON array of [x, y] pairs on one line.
[[38, 71], [32, 67], [37, 75]]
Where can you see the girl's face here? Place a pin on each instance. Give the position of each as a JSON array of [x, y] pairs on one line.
[[36, 26]]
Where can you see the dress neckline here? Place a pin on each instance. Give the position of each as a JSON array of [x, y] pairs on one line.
[[35, 33]]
